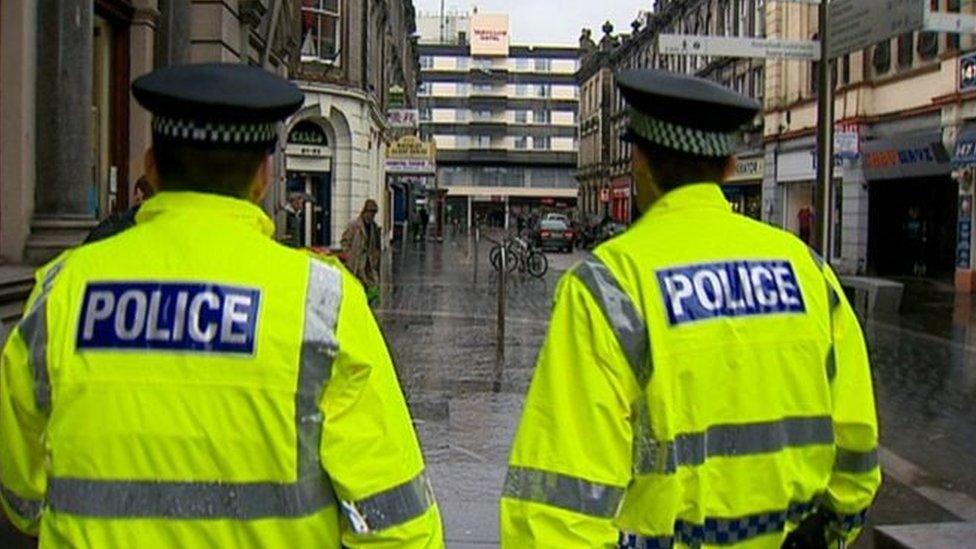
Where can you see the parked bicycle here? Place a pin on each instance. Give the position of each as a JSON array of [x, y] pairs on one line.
[[520, 255]]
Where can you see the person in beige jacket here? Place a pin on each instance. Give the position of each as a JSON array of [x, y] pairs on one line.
[[361, 248]]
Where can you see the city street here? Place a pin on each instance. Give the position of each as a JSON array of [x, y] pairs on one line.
[[440, 326]]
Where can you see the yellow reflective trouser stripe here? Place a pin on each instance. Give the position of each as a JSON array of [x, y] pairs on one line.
[[247, 500], [563, 491], [693, 449], [390, 508], [849, 461], [27, 509], [621, 313]]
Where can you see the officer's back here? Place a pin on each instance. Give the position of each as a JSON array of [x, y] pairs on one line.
[[190, 382], [704, 382]]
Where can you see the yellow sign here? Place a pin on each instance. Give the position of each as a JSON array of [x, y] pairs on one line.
[[489, 34], [411, 147]]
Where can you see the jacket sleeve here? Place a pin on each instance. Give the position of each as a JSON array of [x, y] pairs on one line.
[[369, 446], [571, 459], [857, 473], [22, 421]]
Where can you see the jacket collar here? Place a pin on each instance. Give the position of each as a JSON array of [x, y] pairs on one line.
[[695, 196], [206, 206]]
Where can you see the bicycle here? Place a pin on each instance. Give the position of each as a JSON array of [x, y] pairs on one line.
[[521, 255]]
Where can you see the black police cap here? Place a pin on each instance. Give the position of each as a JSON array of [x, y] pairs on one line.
[[218, 104], [685, 113]]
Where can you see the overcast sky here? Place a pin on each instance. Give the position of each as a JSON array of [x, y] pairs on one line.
[[550, 21]]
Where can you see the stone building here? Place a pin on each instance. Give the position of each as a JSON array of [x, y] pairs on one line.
[[72, 139]]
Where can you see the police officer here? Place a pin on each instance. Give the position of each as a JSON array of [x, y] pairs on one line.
[[190, 382], [704, 381]]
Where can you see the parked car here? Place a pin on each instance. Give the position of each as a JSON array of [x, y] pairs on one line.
[[555, 234], [556, 216]]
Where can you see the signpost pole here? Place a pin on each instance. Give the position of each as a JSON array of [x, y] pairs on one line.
[[825, 139]]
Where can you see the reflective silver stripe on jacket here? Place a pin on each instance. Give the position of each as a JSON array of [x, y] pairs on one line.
[[621, 314], [33, 328], [311, 491], [693, 449], [563, 491], [395, 506], [850, 461], [27, 509]]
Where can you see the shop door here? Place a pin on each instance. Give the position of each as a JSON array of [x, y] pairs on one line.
[[320, 187], [912, 222]]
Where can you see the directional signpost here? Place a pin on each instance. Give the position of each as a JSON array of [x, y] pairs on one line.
[[724, 46], [853, 25]]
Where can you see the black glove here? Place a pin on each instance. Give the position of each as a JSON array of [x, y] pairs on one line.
[[810, 534]]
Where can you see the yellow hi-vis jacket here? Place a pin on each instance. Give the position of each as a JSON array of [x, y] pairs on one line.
[[192, 383], [703, 383]]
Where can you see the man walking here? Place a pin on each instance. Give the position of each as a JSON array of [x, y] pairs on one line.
[[362, 248], [191, 382], [704, 380]]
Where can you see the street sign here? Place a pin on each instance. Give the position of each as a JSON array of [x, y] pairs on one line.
[[950, 22], [726, 46], [853, 25], [967, 73]]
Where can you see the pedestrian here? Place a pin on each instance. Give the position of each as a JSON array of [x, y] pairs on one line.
[[704, 380], [295, 219], [424, 218], [361, 248], [915, 229], [193, 383], [120, 221]]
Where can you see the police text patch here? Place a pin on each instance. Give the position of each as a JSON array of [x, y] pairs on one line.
[[202, 317], [730, 289]]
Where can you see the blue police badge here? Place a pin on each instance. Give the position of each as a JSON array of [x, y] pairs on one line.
[[200, 317], [730, 289]]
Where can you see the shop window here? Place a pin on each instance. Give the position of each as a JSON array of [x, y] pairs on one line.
[[320, 30], [906, 50]]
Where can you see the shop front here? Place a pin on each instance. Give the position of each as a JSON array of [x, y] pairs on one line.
[[308, 164], [621, 198], [913, 202], [796, 174], [743, 189], [964, 172], [411, 176]]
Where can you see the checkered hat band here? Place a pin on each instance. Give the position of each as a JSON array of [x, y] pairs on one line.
[[681, 138], [196, 131]]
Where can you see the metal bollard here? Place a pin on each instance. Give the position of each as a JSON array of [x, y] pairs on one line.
[[500, 328]]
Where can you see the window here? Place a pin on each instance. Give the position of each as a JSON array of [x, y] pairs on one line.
[[543, 65], [480, 142], [482, 64], [463, 88], [845, 70], [928, 45], [462, 63], [424, 88], [906, 50], [542, 117], [521, 117], [461, 115], [881, 58], [482, 88], [426, 62], [521, 142], [544, 90], [952, 39], [481, 115], [522, 63], [320, 30], [758, 84], [541, 143], [521, 90], [426, 115]]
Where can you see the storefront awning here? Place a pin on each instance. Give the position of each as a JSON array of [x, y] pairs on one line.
[[906, 156], [965, 154]]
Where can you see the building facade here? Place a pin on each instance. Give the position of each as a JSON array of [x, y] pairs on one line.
[[358, 59], [72, 139], [612, 191], [901, 110], [503, 117]]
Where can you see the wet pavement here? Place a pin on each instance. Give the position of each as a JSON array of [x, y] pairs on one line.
[[439, 319]]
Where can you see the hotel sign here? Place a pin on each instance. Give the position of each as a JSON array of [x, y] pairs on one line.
[[489, 34]]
